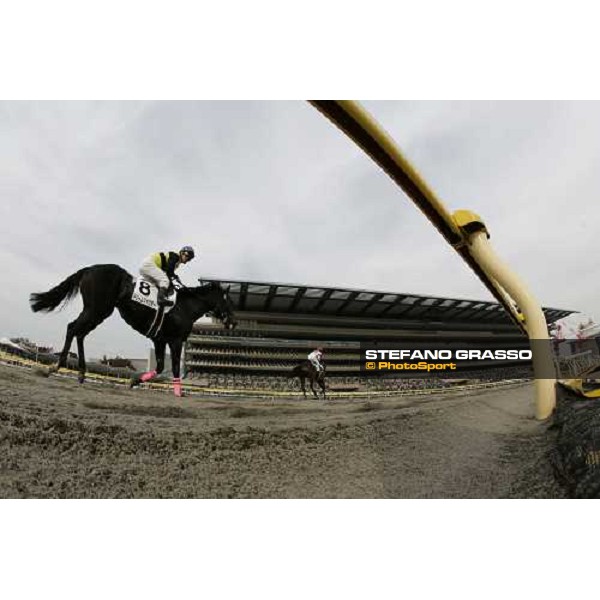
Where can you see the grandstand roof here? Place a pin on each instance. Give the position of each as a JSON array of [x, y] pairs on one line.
[[269, 297]]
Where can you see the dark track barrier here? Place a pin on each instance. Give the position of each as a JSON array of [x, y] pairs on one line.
[[576, 458]]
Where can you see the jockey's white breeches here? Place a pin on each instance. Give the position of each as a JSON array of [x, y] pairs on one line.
[[316, 364], [150, 271]]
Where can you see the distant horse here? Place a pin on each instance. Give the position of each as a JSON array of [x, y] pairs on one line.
[[106, 287], [307, 370]]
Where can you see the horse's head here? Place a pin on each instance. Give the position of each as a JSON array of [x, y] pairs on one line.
[[219, 303]]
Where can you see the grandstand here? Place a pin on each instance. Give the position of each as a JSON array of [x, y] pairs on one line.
[[279, 324]]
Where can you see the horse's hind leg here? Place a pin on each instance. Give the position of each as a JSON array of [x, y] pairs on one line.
[[302, 384], [99, 296], [78, 328], [87, 325], [62, 360], [312, 387]]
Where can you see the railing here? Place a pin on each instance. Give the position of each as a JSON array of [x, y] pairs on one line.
[[572, 366], [192, 389], [45, 360]]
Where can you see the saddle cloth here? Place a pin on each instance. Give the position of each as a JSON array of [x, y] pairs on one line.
[[146, 292]]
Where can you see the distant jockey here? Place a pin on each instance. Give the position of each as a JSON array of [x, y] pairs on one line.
[[315, 357], [159, 268]]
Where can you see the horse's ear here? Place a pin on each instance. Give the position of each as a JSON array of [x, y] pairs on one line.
[[201, 282]]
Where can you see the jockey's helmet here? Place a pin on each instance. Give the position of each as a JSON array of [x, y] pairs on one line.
[[189, 251], [320, 348]]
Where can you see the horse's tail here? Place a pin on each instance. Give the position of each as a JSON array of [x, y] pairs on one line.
[[296, 371], [62, 293]]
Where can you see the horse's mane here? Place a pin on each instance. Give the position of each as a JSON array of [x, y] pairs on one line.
[[205, 288]]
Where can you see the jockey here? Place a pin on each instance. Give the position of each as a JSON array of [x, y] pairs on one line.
[[159, 268], [315, 357]]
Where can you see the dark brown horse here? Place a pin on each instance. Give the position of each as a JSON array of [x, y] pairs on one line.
[[306, 370], [106, 287]]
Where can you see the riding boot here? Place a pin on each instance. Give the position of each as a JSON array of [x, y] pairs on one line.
[[161, 298]]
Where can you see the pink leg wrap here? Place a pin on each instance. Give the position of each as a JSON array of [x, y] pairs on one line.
[[148, 375], [177, 386]]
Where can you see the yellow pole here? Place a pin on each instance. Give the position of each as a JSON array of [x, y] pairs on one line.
[[535, 322]]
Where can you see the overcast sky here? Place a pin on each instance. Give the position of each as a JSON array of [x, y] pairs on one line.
[[272, 191]]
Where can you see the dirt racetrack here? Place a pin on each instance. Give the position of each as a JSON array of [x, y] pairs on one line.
[[62, 440]]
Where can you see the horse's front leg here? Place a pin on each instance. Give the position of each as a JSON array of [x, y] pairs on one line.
[[322, 386], [175, 348], [159, 352]]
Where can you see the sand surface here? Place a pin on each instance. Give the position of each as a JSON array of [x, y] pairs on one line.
[[59, 439]]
